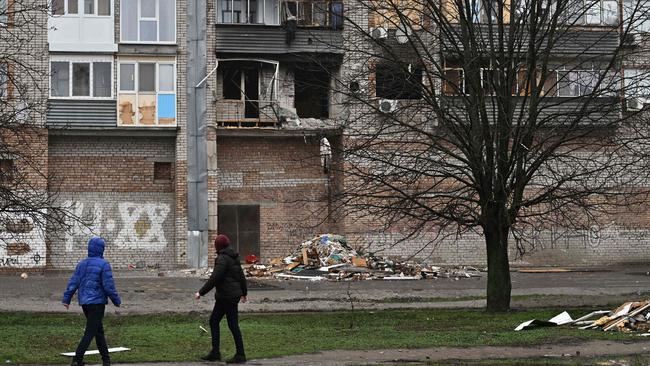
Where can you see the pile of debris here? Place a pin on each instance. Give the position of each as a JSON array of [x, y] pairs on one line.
[[328, 257], [633, 316], [629, 317]]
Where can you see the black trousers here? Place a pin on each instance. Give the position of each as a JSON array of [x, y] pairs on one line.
[[229, 308], [94, 329]]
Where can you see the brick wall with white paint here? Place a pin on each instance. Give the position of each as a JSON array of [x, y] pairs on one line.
[[109, 183]]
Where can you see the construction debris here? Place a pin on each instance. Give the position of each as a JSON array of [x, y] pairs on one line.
[[560, 319], [96, 352], [629, 317], [328, 257]]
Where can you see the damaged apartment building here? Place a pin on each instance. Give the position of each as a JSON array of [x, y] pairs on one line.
[[171, 120]]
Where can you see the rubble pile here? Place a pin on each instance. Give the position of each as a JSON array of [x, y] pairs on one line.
[[633, 316], [328, 257], [629, 317]]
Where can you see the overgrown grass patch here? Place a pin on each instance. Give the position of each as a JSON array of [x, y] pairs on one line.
[[39, 338]]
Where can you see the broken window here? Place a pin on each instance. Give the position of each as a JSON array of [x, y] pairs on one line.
[[232, 88], [241, 223], [147, 93], [453, 79], [148, 21], [481, 11], [249, 11], [242, 84], [81, 79], [312, 93], [398, 81], [310, 13]]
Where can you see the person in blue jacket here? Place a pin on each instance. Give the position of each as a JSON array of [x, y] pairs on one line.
[[93, 278]]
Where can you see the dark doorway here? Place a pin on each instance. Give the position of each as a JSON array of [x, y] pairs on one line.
[[251, 93], [242, 225], [312, 93]]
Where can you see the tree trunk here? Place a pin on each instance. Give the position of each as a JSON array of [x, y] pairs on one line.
[[499, 286]]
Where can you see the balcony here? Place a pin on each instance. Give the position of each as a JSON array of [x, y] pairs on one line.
[[274, 27], [247, 113], [81, 26]]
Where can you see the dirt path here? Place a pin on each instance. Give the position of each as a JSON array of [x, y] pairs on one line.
[[389, 356]]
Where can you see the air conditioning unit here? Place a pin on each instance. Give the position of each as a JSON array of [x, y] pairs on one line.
[[387, 105], [632, 40], [379, 33], [636, 104]]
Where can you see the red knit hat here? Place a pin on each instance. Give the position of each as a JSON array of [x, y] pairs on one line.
[[221, 241]]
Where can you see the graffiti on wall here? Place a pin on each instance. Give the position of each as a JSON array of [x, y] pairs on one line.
[[22, 243], [129, 225]]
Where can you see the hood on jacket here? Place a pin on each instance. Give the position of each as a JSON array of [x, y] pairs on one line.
[[96, 247], [229, 252]]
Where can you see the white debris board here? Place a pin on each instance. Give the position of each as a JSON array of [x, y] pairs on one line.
[[96, 352]]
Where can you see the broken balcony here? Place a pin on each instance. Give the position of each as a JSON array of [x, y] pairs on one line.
[[247, 113], [247, 93]]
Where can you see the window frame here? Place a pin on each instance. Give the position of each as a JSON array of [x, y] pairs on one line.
[[4, 19], [644, 27], [231, 8], [139, 19], [81, 10], [71, 60], [136, 86]]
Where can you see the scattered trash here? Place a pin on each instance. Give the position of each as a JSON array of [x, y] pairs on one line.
[[632, 316], [560, 319], [329, 257], [24, 275], [203, 329], [96, 352]]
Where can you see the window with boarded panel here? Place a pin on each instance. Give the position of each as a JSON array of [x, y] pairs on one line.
[[241, 223]]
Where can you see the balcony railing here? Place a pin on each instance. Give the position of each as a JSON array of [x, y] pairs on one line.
[[246, 113]]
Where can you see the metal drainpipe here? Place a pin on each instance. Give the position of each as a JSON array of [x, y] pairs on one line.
[[197, 166]]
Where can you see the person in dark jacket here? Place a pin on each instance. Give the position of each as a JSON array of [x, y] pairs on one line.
[[93, 278], [229, 283]]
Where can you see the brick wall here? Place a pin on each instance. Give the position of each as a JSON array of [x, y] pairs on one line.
[[109, 184], [284, 177]]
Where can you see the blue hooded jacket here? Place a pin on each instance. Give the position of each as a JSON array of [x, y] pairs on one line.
[[93, 277]]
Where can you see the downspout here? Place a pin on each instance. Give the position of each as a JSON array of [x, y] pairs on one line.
[[197, 166]]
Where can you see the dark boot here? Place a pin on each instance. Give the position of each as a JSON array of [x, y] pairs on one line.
[[76, 363], [237, 359], [212, 357], [106, 362]]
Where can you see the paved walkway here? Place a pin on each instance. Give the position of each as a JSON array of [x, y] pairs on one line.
[[145, 292], [415, 356]]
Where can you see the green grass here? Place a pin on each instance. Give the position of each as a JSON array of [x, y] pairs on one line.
[[39, 338]]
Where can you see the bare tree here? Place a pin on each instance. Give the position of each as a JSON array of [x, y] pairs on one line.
[[27, 198], [500, 117]]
